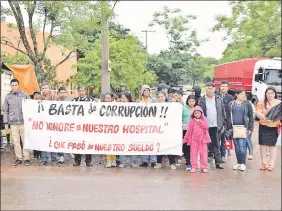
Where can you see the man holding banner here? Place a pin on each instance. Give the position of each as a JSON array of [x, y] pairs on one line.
[[47, 95], [77, 157]]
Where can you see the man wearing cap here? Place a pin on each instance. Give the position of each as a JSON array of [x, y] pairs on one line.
[[214, 110], [227, 98]]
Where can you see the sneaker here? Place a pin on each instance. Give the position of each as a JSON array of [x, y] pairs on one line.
[[43, 163], [109, 164], [188, 167], [243, 167], [2, 147], [134, 165], [121, 165], [193, 170], [114, 163], [205, 170], [172, 167], [89, 164], [237, 167], [251, 157], [153, 164], [17, 162], [158, 166], [61, 160], [27, 162], [223, 160], [76, 164]]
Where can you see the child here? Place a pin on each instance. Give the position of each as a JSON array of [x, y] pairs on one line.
[[197, 137], [111, 159]]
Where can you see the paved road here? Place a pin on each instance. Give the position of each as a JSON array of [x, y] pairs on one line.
[[69, 188]]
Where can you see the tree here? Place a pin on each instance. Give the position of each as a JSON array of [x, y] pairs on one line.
[[18, 58], [254, 29], [65, 19], [172, 65], [181, 37], [128, 65]]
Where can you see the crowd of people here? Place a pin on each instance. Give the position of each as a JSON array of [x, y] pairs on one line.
[[207, 122]]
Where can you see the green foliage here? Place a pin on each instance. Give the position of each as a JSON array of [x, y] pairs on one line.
[[180, 62], [128, 63], [71, 25], [254, 28], [18, 58], [180, 35]]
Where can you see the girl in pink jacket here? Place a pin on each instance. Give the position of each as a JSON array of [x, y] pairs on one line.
[[197, 137]]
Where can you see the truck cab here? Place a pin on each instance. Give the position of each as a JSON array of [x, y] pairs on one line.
[[266, 73]]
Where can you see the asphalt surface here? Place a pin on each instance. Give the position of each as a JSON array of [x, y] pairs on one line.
[[83, 188]]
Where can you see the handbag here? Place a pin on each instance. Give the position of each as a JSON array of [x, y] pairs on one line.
[[239, 131], [228, 142]]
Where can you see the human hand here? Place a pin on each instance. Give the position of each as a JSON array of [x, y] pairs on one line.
[[222, 130], [249, 132], [8, 131]]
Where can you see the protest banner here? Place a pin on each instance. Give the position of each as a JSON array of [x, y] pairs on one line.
[[103, 128]]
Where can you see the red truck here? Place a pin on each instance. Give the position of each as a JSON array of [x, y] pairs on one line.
[[253, 75]]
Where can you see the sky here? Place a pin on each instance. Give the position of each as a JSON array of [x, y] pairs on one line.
[[136, 15]]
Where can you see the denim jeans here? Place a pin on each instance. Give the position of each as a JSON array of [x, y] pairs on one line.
[[45, 158], [153, 158], [240, 145], [250, 144], [132, 157]]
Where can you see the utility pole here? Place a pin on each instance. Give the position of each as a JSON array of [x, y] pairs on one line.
[[105, 74], [105, 60], [105, 71], [146, 39]]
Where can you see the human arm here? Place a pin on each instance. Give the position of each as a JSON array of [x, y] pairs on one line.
[[203, 123], [186, 139], [225, 120], [251, 118], [5, 110], [260, 111]]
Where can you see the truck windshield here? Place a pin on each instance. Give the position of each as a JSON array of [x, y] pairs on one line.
[[273, 76]]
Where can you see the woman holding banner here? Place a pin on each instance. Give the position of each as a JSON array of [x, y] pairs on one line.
[[126, 97], [171, 158], [111, 159], [146, 97]]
